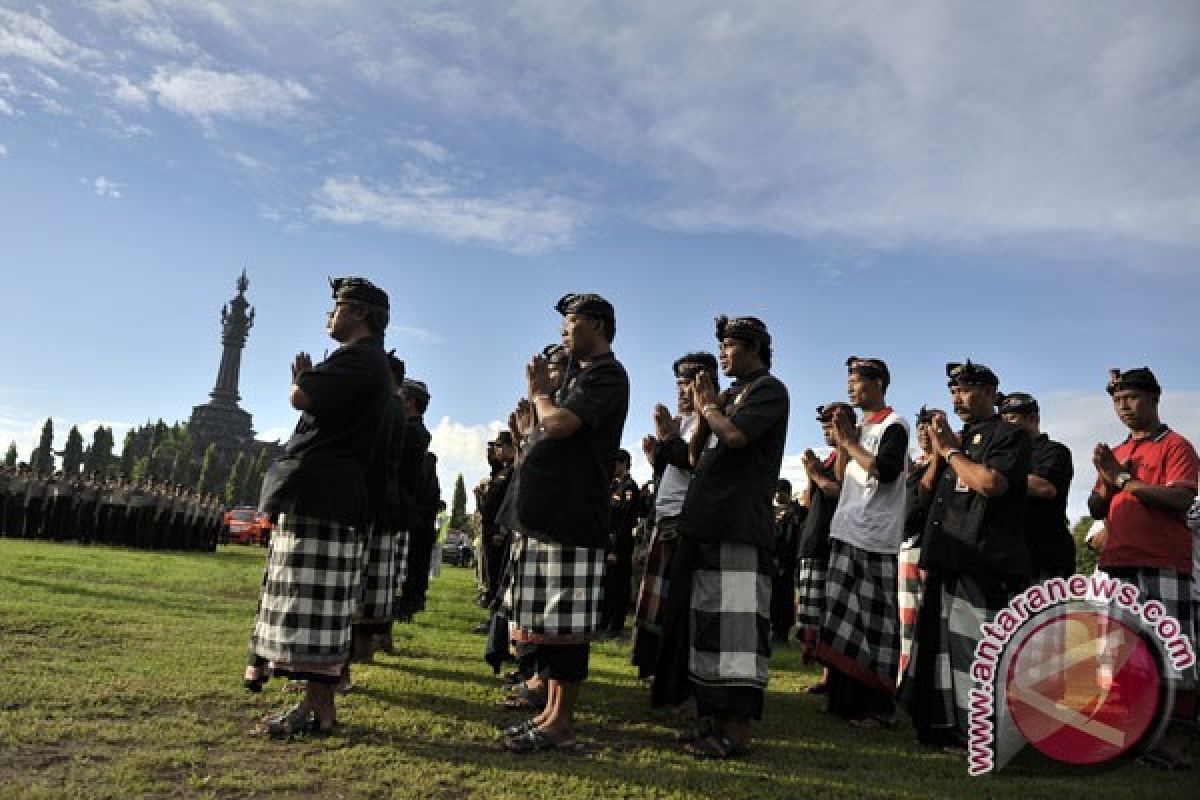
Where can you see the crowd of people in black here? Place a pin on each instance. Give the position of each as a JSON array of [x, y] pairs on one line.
[[883, 569], [92, 509]]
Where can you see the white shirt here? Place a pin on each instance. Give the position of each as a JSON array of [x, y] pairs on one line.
[[673, 485], [870, 514]]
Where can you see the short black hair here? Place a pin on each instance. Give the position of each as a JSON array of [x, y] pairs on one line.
[[783, 485]]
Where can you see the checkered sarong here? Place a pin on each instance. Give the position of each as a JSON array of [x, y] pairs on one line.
[[1174, 591], [730, 616], [378, 579], [556, 593], [860, 632], [953, 610], [308, 596], [652, 596], [400, 568], [810, 599], [910, 599]]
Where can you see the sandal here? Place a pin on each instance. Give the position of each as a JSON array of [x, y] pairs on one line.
[[295, 687], [524, 699], [513, 731], [716, 747], [291, 722], [1159, 759], [873, 723], [537, 741], [703, 728]]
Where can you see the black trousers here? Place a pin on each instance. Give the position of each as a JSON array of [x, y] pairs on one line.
[[783, 602], [564, 662], [617, 585]]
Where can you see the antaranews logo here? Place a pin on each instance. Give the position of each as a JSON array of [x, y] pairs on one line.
[[1078, 667]]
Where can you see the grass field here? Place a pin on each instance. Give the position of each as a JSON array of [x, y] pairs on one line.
[[123, 679]]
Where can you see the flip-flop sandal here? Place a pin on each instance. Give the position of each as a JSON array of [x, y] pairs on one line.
[[873, 723], [295, 687], [1164, 761], [291, 722], [537, 741], [702, 729], [716, 747], [523, 699], [513, 731]]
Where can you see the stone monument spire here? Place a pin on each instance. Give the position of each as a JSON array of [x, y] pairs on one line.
[[237, 317], [221, 421]]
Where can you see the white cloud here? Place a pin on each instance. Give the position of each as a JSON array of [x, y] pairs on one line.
[[129, 94], [419, 335], [3, 150], [105, 187], [248, 161], [275, 434], [427, 149], [34, 40], [6, 108], [205, 94], [461, 449], [891, 124], [522, 222]]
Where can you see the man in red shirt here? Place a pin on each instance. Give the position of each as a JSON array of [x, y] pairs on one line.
[[1144, 488]]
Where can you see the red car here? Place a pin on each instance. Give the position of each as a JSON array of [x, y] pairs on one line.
[[246, 525]]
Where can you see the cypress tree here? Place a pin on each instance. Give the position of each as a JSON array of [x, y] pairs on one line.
[[42, 457], [458, 507], [72, 456], [10, 458], [233, 486]]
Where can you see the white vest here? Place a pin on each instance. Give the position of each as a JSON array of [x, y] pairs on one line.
[[870, 514]]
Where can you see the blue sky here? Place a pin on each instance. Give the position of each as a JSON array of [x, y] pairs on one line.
[[1019, 184]]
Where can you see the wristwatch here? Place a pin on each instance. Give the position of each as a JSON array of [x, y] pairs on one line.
[[953, 451], [709, 407], [1122, 479]]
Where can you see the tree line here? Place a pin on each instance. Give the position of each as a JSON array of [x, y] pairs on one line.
[[154, 450]]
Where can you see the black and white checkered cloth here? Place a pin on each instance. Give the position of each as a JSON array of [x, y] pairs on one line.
[[310, 591], [1174, 591], [400, 564], [953, 612], [730, 616], [556, 592], [378, 581], [810, 598], [910, 587], [860, 631]]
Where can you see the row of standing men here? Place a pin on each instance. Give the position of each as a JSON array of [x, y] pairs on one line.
[[145, 514]]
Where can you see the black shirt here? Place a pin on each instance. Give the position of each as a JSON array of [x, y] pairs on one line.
[[1047, 535], [814, 534], [563, 484], [730, 495], [626, 503], [323, 471], [412, 470], [967, 532], [915, 512], [788, 520]]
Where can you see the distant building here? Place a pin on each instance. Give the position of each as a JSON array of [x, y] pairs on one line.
[[221, 420]]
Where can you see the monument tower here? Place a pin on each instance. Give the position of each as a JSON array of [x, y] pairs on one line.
[[222, 420]]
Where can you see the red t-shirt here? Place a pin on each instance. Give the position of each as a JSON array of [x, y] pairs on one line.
[[1140, 536]]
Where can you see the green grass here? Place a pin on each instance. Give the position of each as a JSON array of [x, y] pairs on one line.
[[123, 679]]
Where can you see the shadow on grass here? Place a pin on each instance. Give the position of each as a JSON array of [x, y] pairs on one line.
[[139, 598]]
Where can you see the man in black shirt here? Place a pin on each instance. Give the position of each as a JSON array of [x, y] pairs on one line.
[[721, 576], [973, 553], [318, 495], [500, 455], [820, 498], [427, 495], [789, 516], [414, 397], [1047, 532], [562, 506], [618, 574]]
